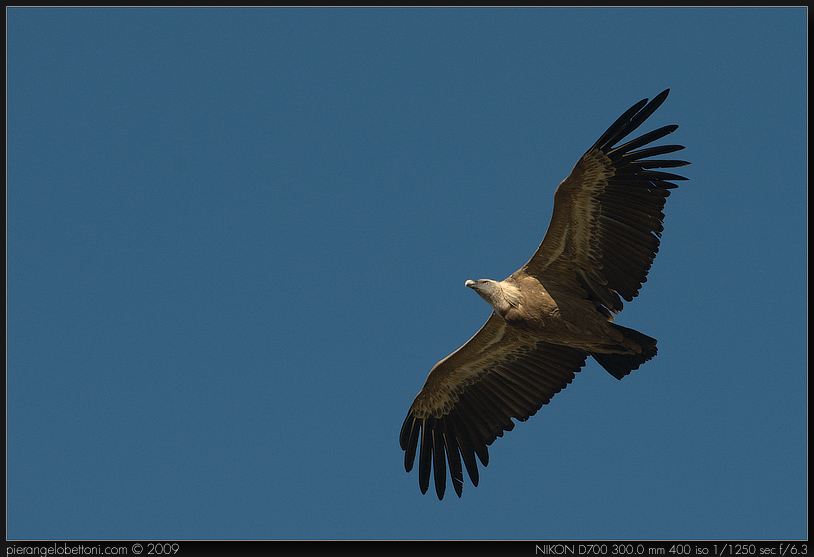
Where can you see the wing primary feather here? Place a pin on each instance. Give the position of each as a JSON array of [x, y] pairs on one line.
[[409, 440], [642, 115], [662, 163], [406, 428], [472, 422], [466, 446], [425, 456], [439, 465], [654, 175], [630, 120], [453, 457], [615, 129], [651, 152], [649, 137]]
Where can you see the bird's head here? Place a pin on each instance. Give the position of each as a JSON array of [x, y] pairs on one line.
[[499, 295], [484, 287]]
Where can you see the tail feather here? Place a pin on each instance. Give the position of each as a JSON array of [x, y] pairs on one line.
[[620, 365]]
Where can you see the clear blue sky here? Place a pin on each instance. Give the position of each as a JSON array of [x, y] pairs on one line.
[[238, 240]]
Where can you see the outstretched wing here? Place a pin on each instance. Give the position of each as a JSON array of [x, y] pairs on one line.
[[470, 398], [607, 219]]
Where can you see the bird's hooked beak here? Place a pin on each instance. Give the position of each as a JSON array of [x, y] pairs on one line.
[[470, 284]]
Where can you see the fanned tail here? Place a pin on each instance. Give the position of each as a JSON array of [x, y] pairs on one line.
[[620, 365]]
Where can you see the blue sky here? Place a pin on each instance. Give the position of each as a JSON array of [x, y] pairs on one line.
[[237, 242]]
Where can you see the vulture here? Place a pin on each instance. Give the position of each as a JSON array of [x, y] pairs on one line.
[[555, 311]]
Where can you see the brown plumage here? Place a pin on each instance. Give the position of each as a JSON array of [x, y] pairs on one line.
[[555, 311]]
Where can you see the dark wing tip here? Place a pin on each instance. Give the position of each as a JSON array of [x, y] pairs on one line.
[[408, 439], [439, 465], [632, 204], [425, 456], [630, 120]]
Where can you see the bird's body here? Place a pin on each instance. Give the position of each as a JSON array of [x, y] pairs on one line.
[[555, 311]]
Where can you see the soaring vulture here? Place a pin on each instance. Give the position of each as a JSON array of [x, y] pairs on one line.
[[555, 311]]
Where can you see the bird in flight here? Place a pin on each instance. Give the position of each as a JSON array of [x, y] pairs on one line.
[[555, 311]]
